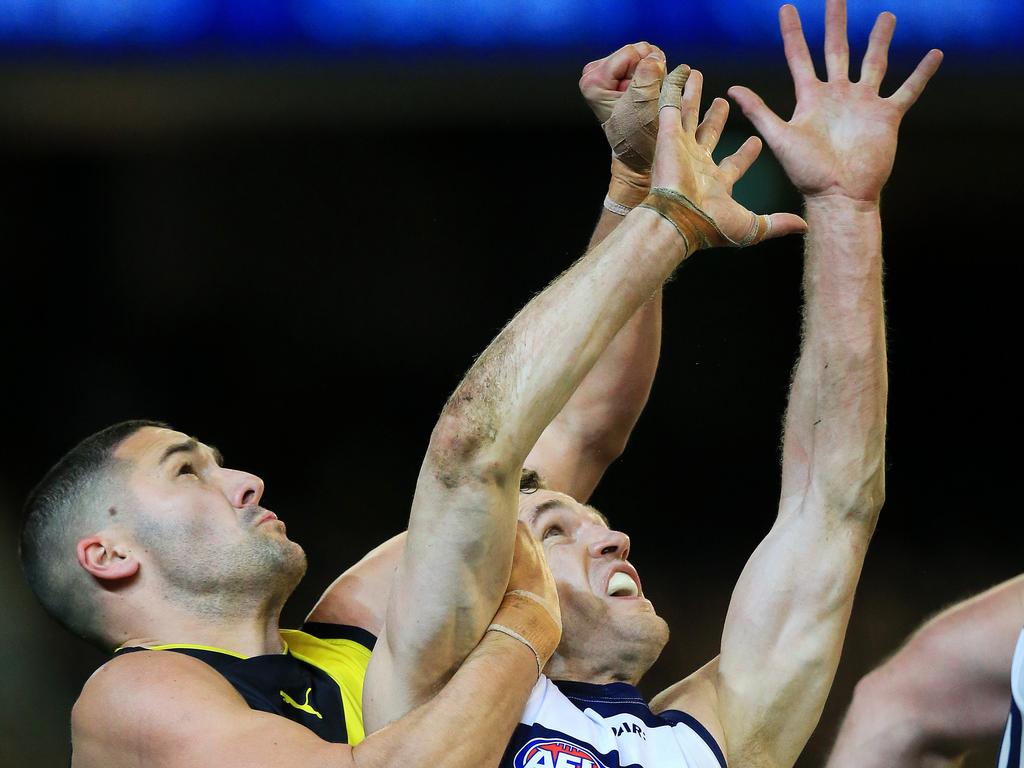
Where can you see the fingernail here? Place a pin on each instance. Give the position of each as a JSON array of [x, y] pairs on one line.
[[657, 55]]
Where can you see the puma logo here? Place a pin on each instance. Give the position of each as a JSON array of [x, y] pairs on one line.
[[304, 706]]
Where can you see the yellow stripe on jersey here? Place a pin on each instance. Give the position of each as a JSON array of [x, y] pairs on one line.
[[345, 661]]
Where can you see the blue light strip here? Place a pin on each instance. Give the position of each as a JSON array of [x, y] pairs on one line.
[[479, 24]]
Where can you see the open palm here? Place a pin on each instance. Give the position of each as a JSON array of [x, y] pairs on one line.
[[683, 161], [841, 139]]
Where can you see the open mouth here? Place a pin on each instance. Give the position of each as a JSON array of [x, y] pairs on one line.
[[621, 584]]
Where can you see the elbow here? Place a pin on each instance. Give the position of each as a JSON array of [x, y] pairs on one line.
[[883, 714], [600, 432], [855, 492], [464, 451]]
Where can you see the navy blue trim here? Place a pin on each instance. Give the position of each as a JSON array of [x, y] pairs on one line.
[[1015, 729], [597, 692], [340, 632], [675, 716]]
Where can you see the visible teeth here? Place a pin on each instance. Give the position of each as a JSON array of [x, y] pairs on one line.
[[622, 585]]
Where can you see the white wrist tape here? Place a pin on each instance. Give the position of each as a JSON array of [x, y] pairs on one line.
[[615, 207]]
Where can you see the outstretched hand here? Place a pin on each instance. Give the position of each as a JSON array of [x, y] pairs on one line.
[[683, 161], [841, 139]]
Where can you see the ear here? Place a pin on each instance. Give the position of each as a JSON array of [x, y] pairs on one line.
[[105, 558]]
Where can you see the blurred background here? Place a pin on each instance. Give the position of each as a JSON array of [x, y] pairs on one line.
[[199, 223]]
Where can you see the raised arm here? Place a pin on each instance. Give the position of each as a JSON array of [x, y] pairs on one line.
[[456, 560], [591, 430], [945, 692], [788, 615]]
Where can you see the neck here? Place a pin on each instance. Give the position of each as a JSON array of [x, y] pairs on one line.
[[255, 634], [594, 670]]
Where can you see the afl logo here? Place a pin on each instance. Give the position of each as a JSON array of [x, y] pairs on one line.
[[555, 753]]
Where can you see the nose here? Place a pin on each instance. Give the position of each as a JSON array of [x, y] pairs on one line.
[[244, 489], [609, 542]]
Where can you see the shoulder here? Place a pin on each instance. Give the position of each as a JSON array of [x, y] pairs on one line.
[[693, 702], [132, 679], [147, 699]]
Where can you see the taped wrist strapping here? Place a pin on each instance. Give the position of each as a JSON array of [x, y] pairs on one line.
[[628, 188], [632, 128], [696, 228], [524, 616]]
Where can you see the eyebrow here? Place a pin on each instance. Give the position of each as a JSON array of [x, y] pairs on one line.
[[190, 446], [547, 506]]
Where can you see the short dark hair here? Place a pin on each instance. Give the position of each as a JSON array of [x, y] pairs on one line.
[[53, 515], [530, 481]]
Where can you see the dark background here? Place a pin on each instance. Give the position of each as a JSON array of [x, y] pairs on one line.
[[296, 261]]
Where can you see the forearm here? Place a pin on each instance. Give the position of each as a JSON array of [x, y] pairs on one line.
[[834, 441], [456, 563], [496, 678], [592, 428], [789, 612], [880, 730]]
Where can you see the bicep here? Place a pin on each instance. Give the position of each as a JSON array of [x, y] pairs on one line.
[[784, 633]]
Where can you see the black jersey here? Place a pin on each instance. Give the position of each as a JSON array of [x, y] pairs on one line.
[[317, 681]]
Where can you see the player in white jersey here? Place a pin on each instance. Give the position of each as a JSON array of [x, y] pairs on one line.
[[760, 699], [587, 725], [945, 692]]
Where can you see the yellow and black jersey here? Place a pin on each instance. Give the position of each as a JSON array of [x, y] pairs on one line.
[[317, 681]]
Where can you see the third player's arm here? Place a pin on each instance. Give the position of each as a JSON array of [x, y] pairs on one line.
[[945, 692]]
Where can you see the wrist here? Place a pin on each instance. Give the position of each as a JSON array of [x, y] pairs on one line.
[[832, 202], [628, 187], [660, 232]]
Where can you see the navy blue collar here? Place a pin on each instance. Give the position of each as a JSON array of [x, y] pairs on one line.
[[622, 692]]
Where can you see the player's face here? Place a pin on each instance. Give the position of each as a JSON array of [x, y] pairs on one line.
[[604, 611], [200, 524]]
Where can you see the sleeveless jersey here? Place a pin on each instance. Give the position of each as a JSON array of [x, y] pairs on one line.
[[581, 725], [317, 681], [1010, 752]]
